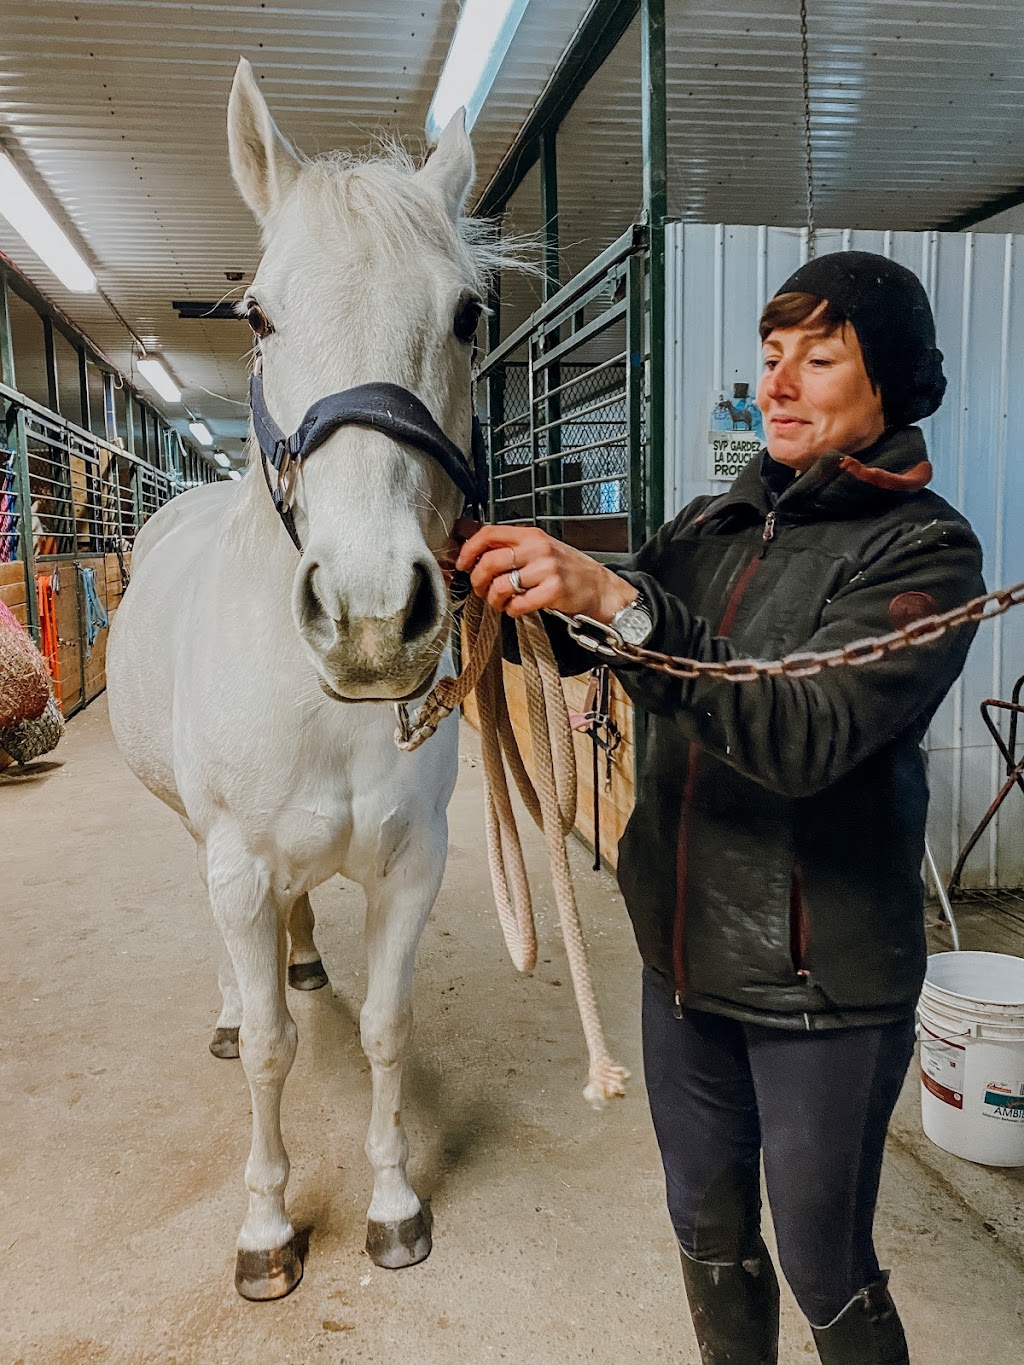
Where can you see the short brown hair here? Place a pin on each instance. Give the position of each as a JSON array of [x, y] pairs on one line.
[[791, 310]]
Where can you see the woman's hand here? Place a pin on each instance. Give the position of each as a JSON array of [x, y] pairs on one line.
[[552, 574]]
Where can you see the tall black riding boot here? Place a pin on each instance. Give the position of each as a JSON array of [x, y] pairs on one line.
[[735, 1309], [867, 1332]]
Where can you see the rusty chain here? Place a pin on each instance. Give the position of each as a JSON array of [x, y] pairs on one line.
[[448, 693], [604, 640]]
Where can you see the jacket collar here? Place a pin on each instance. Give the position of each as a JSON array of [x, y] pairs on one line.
[[837, 486]]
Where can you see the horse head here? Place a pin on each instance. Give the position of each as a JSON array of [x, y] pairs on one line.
[[369, 274]]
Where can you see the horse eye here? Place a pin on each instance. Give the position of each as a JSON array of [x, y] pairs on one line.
[[258, 320], [467, 319]]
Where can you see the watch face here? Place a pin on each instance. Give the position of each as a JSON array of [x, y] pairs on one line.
[[634, 625]]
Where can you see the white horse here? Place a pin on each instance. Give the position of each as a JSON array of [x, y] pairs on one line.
[[234, 660]]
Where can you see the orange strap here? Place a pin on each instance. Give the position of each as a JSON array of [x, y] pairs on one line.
[[49, 643]]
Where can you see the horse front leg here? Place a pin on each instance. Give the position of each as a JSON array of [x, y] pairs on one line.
[[253, 923], [397, 907], [305, 970]]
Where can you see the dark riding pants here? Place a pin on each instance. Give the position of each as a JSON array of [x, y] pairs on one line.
[[816, 1105]]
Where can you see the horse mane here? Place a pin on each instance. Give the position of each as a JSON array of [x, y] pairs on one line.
[[376, 194]]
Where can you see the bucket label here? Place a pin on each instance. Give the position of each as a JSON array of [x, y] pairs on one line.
[[942, 1068], [1002, 1103]]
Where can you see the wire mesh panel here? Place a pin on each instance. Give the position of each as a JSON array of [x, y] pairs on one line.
[[70, 506], [10, 518], [564, 405], [82, 494], [65, 482], [154, 489]]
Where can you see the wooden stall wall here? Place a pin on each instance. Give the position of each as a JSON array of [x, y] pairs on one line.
[[12, 589], [82, 668], [616, 798]]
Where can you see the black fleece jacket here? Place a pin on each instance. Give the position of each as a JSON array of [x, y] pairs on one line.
[[771, 866]]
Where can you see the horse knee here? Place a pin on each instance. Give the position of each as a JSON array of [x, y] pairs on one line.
[[267, 1054], [385, 1034]]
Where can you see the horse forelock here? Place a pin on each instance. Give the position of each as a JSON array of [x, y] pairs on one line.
[[378, 200]]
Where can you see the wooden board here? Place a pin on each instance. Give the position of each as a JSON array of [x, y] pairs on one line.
[[95, 662], [12, 589], [68, 632]]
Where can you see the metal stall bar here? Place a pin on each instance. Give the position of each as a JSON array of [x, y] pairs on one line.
[[15, 501], [655, 151], [70, 496], [567, 448]]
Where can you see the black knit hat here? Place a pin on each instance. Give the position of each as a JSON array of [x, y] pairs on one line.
[[887, 307]]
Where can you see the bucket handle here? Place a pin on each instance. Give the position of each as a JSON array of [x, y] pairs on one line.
[[969, 1032]]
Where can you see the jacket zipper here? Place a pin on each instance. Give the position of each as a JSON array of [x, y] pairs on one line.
[[682, 850], [799, 924]]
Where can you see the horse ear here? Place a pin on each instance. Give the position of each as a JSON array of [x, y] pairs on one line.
[[451, 168], [264, 164]]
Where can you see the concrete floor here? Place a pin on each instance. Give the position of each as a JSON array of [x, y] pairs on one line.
[[124, 1140]]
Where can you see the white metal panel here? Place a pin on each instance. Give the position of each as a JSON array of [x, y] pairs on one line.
[[718, 278]]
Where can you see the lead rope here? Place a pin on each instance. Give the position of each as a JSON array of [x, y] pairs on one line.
[[551, 804]]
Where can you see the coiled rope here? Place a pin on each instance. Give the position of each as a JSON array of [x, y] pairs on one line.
[[550, 799]]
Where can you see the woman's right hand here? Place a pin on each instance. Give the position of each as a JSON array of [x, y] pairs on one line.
[[553, 575]]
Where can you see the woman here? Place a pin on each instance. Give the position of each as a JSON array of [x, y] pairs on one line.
[[772, 864]]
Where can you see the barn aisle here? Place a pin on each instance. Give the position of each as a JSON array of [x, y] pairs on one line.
[[124, 1140]]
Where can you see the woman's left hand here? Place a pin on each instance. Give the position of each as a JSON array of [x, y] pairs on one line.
[[551, 574]]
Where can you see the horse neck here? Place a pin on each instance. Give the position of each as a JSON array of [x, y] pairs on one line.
[[256, 543]]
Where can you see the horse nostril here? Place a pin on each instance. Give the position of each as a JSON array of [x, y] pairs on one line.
[[420, 614], [311, 606]]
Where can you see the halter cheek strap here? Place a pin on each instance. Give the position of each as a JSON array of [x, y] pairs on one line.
[[388, 408]]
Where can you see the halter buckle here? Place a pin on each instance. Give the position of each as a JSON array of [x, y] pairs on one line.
[[404, 731]]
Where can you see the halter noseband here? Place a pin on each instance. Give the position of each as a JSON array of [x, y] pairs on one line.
[[387, 408]]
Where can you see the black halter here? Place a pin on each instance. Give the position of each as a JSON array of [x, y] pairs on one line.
[[383, 407]]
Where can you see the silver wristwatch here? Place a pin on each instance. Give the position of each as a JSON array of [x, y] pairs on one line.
[[633, 622]]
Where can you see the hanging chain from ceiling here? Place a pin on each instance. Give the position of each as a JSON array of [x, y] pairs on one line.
[[808, 165]]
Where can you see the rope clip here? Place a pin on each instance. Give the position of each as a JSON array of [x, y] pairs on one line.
[[593, 635]]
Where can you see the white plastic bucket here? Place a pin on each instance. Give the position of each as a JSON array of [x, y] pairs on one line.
[[971, 1015]]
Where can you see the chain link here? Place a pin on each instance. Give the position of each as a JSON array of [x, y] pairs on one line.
[[604, 640], [806, 68]]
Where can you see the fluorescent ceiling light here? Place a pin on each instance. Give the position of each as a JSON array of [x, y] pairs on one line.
[[201, 432], [482, 37], [234, 474], [222, 459], [157, 378], [24, 212]]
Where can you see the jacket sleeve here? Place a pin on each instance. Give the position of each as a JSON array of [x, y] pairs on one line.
[[797, 736]]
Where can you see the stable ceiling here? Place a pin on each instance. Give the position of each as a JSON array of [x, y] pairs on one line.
[[115, 112], [114, 109]]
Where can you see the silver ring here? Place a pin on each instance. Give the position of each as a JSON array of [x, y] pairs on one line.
[[515, 582]]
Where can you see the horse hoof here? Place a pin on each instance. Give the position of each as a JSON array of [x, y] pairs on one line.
[[396, 1245], [307, 976], [224, 1043], [261, 1275]]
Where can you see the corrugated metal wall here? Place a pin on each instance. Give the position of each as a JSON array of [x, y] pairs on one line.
[[718, 280]]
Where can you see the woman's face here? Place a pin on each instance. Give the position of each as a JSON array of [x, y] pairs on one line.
[[815, 395]]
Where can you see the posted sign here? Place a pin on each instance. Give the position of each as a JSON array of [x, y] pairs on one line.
[[735, 433]]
